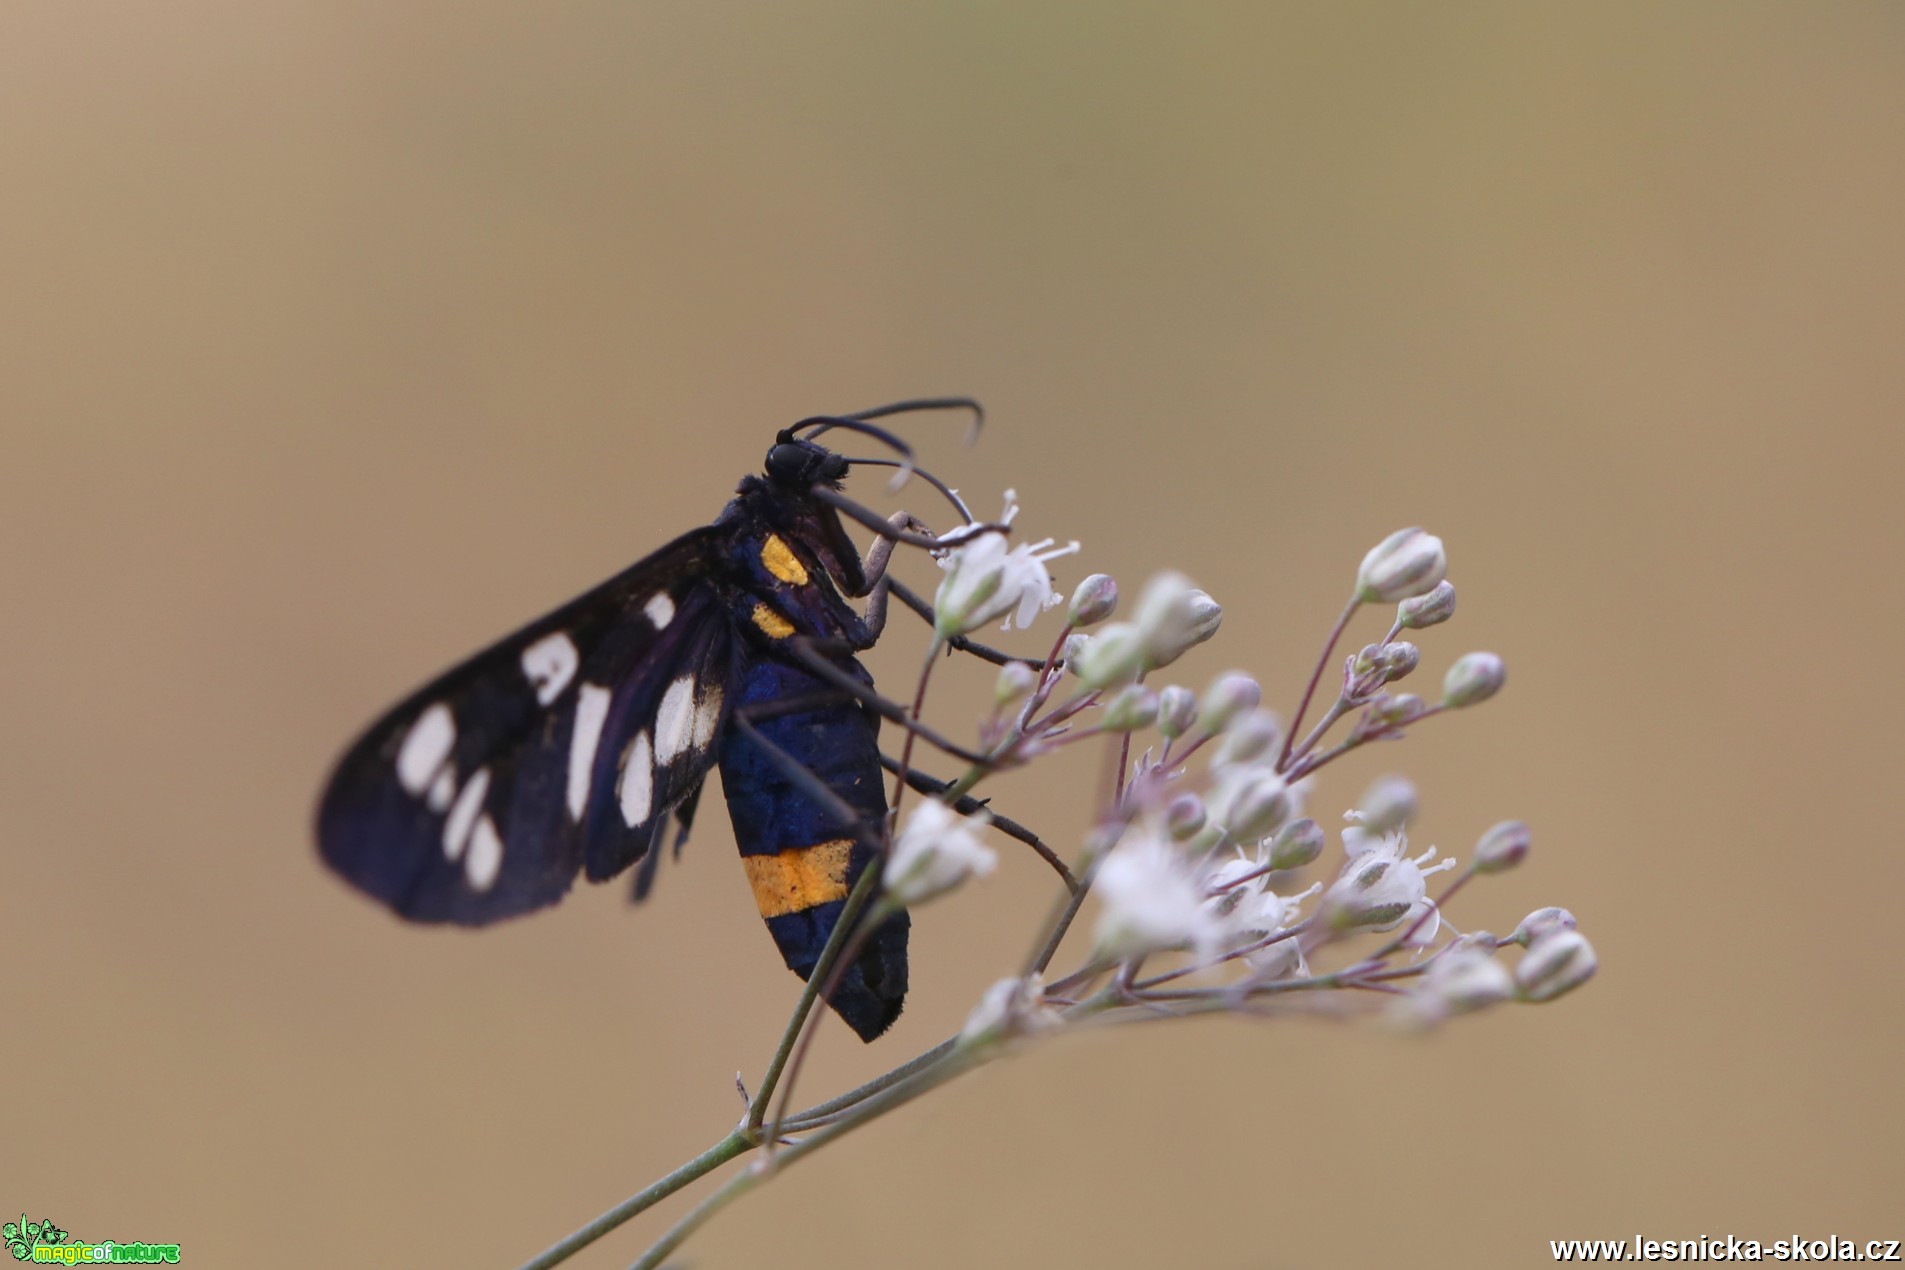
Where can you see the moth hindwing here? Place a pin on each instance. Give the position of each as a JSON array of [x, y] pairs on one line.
[[564, 748]]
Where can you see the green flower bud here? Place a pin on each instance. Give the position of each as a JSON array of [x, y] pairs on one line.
[[1135, 706], [1502, 848], [1473, 679], [1113, 655], [1388, 805], [1185, 817], [1177, 711], [1558, 961], [1297, 844], [1014, 681], [1429, 609], [1406, 564], [1229, 695], [1095, 600], [1249, 737]]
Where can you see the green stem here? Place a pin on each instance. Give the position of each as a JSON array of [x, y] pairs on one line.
[[810, 993], [714, 1157], [954, 1063]]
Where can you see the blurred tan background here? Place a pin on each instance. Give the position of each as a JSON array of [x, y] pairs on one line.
[[342, 338]]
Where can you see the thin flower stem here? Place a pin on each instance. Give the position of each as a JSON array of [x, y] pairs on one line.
[[736, 1143], [833, 1106], [1315, 761], [831, 972], [809, 994], [1338, 708], [1316, 677], [923, 1081], [906, 746]]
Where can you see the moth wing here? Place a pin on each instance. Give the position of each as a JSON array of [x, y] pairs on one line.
[[560, 749]]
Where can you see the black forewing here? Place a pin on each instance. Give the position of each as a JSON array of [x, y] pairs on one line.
[[486, 792]]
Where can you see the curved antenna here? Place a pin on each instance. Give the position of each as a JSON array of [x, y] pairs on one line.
[[920, 404], [885, 528], [952, 495], [916, 405]]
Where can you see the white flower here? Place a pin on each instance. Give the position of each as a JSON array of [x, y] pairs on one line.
[[985, 580], [1251, 912], [1153, 900], [1381, 888], [937, 850]]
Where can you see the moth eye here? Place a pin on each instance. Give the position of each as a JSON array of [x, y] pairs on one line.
[[786, 462]]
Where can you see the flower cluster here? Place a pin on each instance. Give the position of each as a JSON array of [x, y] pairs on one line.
[[1210, 882]]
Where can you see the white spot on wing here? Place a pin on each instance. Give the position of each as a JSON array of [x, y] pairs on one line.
[[591, 712], [456, 830], [637, 788], [660, 610], [550, 664], [485, 860], [707, 715], [442, 790], [674, 722], [425, 747]]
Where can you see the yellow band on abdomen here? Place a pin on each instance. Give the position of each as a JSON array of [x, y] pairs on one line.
[[800, 877]]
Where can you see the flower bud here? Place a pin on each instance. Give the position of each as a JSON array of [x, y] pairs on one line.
[[1388, 805], [1558, 961], [1014, 681], [1390, 712], [1429, 609], [1249, 737], [1174, 617], [1095, 600], [1184, 817], [1502, 848], [1466, 978], [1114, 655], [1010, 1007], [1253, 804], [1539, 922], [1406, 564], [1177, 711], [1398, 659], [1474, 678], [936, 851], [1135, 706], [1229, 695], [1296, 844]]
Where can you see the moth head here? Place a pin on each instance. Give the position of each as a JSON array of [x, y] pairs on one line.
[[796, 463]]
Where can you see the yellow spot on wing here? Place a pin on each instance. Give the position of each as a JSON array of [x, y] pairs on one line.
[[800, 877], [772, 624], [782, 562]]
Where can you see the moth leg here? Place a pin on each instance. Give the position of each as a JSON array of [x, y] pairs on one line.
[[967, 806], [878, 557], [807, 653], [984, 653]]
